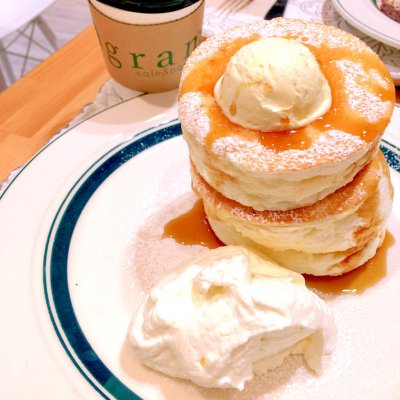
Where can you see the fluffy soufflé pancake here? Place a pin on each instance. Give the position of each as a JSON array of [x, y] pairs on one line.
[[332, 236], [297, 167], [283, 120]]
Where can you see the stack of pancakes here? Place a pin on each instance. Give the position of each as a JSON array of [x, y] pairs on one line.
[[315, 199]]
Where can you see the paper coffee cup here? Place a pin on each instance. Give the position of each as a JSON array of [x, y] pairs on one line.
[[148, 57]]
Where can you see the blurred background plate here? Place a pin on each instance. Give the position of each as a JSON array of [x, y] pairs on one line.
[[365, 16], [369, 17]]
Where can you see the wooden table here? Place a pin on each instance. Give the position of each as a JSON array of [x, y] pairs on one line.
[[42, 102]]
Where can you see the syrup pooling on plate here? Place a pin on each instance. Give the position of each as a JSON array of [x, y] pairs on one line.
[[192, 228], [361, 86], [183, 230], [358, 280]]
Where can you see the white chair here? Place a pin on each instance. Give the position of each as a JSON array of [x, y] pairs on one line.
[[22, 17]]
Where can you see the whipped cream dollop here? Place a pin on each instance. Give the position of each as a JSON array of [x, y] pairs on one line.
[[227, 314], [273, 84]]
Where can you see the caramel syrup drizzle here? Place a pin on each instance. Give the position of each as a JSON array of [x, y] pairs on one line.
[[206, 73], [192, 228], [359, 279]]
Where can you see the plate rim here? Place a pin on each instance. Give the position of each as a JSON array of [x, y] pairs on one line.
[[342, 8], [51, 242]]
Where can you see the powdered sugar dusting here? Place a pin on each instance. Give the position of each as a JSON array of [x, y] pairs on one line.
[[361, 100], [313, 34], [192, 117], [152, 256], [342, 202], [330, 148], [376, 77]]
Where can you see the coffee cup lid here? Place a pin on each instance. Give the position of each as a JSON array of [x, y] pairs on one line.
[[149, 6]]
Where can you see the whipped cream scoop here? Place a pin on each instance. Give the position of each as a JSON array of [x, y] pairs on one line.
[[227, 314], [273, 84]]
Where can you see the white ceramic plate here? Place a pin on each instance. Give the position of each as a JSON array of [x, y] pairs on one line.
[[80, 236], [365, 16]]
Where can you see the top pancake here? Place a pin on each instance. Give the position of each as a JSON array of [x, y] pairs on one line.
[[362, 101], [288, 169]]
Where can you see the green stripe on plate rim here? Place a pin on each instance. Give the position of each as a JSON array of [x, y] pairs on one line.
[[55, 263], [55, 279]]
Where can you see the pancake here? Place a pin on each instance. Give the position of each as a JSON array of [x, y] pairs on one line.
[[332, 236], [289, 169]]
